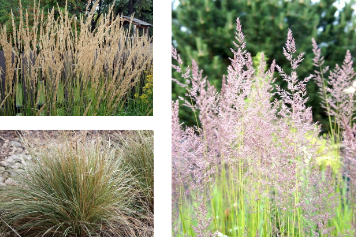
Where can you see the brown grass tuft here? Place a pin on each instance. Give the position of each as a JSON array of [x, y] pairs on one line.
[[82, 71]]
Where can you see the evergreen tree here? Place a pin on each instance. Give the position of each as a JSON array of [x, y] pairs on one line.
[[74, 7], [204, 30], [142, 9]]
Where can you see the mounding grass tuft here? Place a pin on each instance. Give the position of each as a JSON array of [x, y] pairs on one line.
[[137, 151], [76, 186]]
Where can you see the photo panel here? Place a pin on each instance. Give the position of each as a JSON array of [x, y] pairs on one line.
[[76, 183], [76, 58]]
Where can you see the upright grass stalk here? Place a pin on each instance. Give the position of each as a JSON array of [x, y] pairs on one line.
[[73, 69], [258, 160]]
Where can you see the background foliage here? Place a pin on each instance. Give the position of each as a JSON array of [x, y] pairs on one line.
[[142, 9], [202, 30]]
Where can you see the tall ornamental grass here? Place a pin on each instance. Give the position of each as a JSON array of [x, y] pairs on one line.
[[58, 66], [76, 187], [137, 152], [254, 166]]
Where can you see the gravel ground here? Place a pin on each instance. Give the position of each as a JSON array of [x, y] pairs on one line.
[[13, 155]]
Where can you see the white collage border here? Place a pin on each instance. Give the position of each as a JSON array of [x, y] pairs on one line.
[[160, 122]]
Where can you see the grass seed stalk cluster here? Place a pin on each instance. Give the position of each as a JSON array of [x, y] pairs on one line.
[[256, 166], [58, 66], [83, 187]]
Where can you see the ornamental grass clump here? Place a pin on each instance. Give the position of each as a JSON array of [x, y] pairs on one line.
[[137, 152], [251, 165], [59, 66], [338, 98], [76, 187]]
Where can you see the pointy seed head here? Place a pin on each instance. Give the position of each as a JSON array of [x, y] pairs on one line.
[[290, 44], [239, 36]]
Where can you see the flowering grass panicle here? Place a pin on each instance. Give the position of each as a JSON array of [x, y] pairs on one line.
[[249, 167], [337, 92]]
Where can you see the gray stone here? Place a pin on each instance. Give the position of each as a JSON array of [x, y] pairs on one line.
[[2, 179], [10, 162], [14, 158], [25, 157], [3, 163], [16, 144], [19, 149], [2, 169], [10, 181], [20, 171], [6, 174], [2, 184], [13, 173], [15, 166]]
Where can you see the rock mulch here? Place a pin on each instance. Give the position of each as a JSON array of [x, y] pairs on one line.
[[13, 158]]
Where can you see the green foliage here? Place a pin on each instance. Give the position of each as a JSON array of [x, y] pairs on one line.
[[6, 7], [237, 212], [257, 59], [143, 9], [146, 97], [202, 31], [328, 153]]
